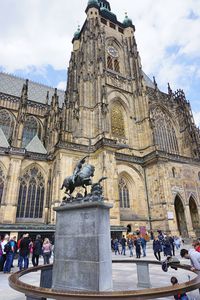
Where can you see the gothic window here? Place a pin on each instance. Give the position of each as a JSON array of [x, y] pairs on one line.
[[116, 65], [164, 133], [117, 122], [2, 181], [123, 194], [109, 63], [6, 123], [31, 128], [31, 195]]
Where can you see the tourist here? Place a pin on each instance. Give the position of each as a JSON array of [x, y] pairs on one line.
[[174, 281], [171, 240], [24, 251], [196, 245], [194, 257], [130, 246], [123, 243], [152, 235], [167, 246], [3, 257], [144, 245], [177, 242], [9, 249], [137, 244], [161, 239], [116, 246], [157, 248], [15, 249], [37, 250], [46, 250]]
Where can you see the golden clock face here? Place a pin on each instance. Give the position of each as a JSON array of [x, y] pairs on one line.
[[112, 51]]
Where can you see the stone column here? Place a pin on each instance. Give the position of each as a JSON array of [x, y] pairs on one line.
[[143, 274], [191, 232], [82, 259]]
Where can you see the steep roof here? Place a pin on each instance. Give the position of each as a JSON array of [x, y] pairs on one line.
[[12, 85], [36, 146], [3, 140]]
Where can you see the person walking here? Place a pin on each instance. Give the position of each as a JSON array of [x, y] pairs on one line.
[[137, 244], [24, 251], [46, 250], [130, 246], [177, 242], [123, 243], [157, 248], [167, 247], [9, 248], [3, 257], [116, 246], [171, 240], [37, 250], [144, 245]]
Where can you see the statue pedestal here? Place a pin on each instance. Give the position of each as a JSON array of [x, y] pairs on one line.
[[82, 255]]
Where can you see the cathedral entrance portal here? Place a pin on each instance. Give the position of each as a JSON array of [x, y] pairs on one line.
[[180, 217], [194, 216]]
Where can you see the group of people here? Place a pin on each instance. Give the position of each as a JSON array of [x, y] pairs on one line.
[[165, 243], [10, 248], [138, 242]]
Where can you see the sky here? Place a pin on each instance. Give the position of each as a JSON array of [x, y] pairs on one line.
[[36, 35]]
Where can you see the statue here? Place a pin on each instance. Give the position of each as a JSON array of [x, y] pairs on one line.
[[81, 177]]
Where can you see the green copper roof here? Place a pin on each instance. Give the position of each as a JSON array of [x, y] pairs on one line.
[[93, 2], [127, 21], [76, 34]]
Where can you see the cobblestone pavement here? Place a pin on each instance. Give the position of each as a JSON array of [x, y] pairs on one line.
[[124, 277]]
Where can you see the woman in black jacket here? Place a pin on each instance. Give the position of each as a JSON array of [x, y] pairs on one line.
[[157, 248]]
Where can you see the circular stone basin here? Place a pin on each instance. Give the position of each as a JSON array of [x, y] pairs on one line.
[[37, 292]]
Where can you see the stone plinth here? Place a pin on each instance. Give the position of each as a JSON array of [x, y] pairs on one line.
[[82, 257]]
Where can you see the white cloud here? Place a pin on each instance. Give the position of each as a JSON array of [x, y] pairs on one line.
[[197, 117], [62, 85], [39, 33]]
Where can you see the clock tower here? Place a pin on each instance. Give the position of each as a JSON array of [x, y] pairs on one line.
[[105, 89]]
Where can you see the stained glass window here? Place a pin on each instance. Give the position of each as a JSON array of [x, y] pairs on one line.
[[117, 122], [164, 133], [123, 194], [31, 195], [31, 128], [6, 123]]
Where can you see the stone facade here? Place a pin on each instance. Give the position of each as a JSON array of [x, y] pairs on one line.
[[145, 141]]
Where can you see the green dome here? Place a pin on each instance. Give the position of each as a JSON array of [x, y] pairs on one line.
[[76, 34], [127, 21], [93, 2]]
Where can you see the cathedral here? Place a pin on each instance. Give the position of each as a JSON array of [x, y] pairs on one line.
[[142, 139]]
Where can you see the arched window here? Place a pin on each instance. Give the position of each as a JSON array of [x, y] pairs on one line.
[[123, 194], [31, 128], [31, 195], [6, 123], [164, 133], [116, 65], [109, 63], [117, 121], [2, 181]]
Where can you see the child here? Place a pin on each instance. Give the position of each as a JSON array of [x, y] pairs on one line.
[[174, 281]]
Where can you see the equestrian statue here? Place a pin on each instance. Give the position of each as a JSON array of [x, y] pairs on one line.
[[81, 177]]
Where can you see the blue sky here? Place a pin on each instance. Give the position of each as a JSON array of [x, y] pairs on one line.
[[36, 39]]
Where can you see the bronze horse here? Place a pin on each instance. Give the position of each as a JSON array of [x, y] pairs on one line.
[[81, 177]]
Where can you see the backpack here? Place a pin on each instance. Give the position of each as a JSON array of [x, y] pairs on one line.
[[7, 248]]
